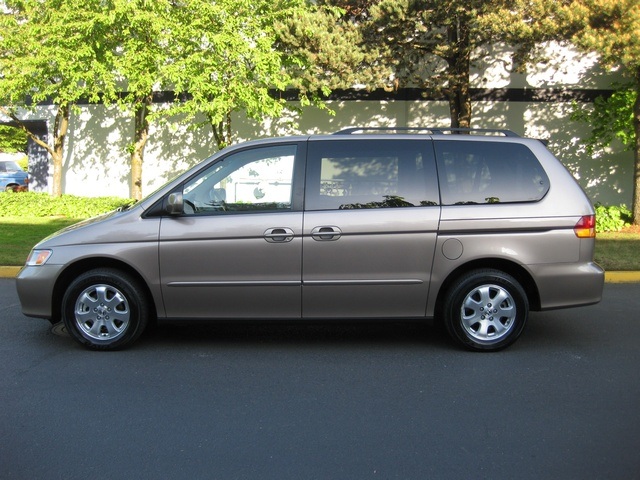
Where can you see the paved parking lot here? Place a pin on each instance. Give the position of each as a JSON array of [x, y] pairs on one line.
[[263, 401]]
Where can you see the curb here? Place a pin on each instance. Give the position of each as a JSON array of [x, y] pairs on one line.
[[609, 277], [622, 277], [9, 272]]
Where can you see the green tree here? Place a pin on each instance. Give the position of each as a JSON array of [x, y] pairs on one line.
[[433, 44], [138, 35], [610, 117], [130, 38], [218, 58], [50, 51], [12, 139], [326, 52], [611, 28], [223, 60]]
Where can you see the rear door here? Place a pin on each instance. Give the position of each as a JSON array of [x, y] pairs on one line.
[[236, 252], [370, 226]]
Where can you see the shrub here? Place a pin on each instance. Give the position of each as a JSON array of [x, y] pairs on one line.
[[32, 204], [612, 218], [23, 161]]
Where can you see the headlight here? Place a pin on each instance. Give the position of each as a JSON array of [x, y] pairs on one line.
[[38, 257]]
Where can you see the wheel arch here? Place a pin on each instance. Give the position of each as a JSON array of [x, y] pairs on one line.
[[518, 272], [84, 265]]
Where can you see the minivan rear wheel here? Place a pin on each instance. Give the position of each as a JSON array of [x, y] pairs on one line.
[[105, 309], [485, 310]]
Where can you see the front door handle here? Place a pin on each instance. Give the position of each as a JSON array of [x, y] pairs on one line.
[[278, 235], [326, 233]]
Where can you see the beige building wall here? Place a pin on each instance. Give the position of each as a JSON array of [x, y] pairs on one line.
[[97, 163]]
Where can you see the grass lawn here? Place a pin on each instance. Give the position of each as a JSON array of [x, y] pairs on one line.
[[19, 234], [619, 250], [614, 250]]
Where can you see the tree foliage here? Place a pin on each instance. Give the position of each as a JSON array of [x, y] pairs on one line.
[[223, 60], [433, 44], [229, 56], [219, 57], [12, 139], [50, 51], [610, 118], [327, 52], [138, 33], [612, 28]]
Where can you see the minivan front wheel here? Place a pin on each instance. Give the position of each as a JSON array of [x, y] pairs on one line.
[[105, 309], [485, 310]]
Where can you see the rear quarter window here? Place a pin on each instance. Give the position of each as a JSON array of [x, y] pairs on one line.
[[481, 172]]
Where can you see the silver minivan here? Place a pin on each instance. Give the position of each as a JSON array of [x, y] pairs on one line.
[[472, 228]]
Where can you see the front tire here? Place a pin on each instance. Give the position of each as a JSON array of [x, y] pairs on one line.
[[485, 310], [105, 309]]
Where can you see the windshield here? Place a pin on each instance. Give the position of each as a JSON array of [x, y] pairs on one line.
[[9, 166]]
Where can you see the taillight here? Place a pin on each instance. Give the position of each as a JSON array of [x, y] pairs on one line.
[[586, 227]]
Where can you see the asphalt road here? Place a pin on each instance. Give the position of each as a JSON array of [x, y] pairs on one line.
[[359, 401]]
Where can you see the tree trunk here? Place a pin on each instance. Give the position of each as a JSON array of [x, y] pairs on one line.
[[222, 131], [635, 208], [459, 63], [60, 129], [142, 107], [460, 106]]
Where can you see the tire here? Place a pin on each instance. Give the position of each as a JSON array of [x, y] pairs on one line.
[[105, 309], [485, 310]]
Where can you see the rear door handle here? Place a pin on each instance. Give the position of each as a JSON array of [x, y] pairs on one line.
[[278, 235], [322, 234]]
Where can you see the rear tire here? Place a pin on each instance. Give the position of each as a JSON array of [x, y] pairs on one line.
[[485, 310], [105, 309]]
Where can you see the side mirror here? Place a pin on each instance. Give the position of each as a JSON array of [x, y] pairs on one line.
[[174, 204]]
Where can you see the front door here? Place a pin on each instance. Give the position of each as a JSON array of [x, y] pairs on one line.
[[236, 251]]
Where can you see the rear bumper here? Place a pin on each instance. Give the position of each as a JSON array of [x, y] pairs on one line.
[[568, 285]]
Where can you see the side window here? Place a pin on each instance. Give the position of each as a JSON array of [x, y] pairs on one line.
[[355, 174], [488, 172], [258, 179]]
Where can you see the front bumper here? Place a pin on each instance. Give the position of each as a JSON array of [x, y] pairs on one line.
[[35, 287]]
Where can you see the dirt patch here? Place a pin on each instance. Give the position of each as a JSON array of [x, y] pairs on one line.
[[635, 229]]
